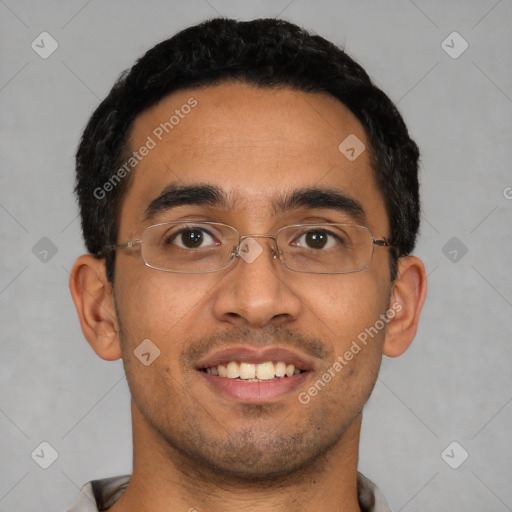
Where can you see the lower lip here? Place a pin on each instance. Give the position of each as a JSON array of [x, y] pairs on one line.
[[255, 392]]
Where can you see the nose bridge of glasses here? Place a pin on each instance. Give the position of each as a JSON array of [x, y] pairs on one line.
[[248, 250]]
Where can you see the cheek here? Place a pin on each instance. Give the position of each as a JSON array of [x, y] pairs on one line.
[[346, 304], [159, 306], [351, 316], [348, 312]]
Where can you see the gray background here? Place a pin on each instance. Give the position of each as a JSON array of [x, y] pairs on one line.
[[454, 384]]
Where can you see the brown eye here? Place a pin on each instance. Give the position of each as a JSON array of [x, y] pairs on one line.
[[316, 239], [192, 238]]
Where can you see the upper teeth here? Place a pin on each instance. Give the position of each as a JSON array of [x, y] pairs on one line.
[[250, 371]]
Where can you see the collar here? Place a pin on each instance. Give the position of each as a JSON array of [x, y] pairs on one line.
[[99, 495]]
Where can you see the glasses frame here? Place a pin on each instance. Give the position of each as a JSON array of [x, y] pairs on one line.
[[235, 253]]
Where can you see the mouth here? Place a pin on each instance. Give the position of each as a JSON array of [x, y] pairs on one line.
[[252, 376], [251, 372]]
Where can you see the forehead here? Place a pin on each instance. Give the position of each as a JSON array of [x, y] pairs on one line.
[[253, 143]]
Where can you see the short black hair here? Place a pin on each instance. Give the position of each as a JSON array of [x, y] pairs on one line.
[[266, 53]]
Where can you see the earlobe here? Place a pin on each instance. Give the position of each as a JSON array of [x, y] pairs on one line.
[[94, 302], [407, 298]]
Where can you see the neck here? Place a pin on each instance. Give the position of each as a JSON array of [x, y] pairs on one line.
[[167, 480]]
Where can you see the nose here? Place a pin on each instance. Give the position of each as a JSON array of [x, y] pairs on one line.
[[257, 292]]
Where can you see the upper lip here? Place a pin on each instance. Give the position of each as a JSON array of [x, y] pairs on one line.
[[255, 356]]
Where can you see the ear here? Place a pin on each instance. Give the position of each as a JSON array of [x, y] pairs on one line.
[[94, 302], [407, 297]]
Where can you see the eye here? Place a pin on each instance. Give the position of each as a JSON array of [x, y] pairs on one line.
[[317, 239], [192, 238]]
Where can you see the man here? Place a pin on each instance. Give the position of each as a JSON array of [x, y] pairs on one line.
[[249, 200]]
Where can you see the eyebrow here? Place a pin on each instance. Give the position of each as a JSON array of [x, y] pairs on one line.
[[316, 198], [175, 195]]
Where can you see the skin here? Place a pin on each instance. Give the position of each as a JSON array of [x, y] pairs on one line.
[[195, 449]]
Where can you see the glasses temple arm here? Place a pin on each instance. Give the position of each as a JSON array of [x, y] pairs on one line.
[[110, 248], [383, 243]]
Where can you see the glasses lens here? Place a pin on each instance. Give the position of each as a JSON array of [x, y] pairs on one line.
[[325, 248], [188, 247]]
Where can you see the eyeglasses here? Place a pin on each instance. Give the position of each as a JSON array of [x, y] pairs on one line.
[[191, 247]]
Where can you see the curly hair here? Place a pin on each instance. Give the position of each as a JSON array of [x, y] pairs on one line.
[[266, 53]]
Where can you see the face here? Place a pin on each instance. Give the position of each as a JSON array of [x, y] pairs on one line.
[[256, 148]]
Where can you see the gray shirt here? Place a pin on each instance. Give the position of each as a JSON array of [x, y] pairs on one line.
[[102, 494]]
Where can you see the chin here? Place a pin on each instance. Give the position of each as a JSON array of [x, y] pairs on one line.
[[251, 457]]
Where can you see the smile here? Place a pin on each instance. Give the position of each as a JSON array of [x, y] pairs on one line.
[[252, 372]]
